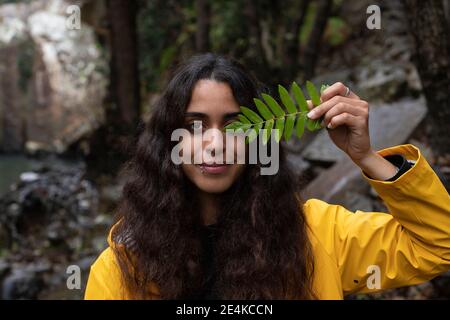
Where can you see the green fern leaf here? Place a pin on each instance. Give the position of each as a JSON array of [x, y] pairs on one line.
[[313, 125], [289, 126], [279, 128], [251, 115], [286, 99], [243, 119], [254, 131], [273, 116], [263, 110], [234, 125], [299, 97], [323, 88], [267, 131], [274, 106], [313, 94], [300, 127]]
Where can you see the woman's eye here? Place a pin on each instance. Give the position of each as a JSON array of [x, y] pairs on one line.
[[196, 125]]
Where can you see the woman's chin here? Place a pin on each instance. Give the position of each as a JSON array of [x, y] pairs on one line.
[[213, 185], [214, 180]]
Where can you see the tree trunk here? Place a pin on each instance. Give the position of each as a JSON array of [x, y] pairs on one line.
[[203, 11], [428, 27], [124, 62], [254, 30], [292, 52], [312, 48], [114, 139]]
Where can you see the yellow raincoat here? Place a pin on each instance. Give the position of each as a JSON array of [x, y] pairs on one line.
[[356, 252]]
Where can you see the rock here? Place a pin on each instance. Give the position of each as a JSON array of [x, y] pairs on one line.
[[425, 150], [52, 79], [355, 13], [69, 80], [11, 100], [86, 262], [12, 30], [34, 148], [4, 238], [442, 285], [46, 200], [344, 75], [388, 122], [297, 163], [356, 200], [15, 70], [29, 176], [21, 284], [49, 221], [380, 81], [331, 183], [4, 268], [323, 149]]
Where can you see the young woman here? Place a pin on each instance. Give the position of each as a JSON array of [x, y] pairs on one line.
[[209, 231]]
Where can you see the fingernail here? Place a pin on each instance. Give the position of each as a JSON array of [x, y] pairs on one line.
[[329, 126], [311, 114]]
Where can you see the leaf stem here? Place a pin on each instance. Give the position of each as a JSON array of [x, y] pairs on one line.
[[302, 113]]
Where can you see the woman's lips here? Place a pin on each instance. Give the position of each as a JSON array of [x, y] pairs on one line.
[[213, 168]]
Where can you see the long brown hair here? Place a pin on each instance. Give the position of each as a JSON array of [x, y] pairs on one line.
[[262, 248]]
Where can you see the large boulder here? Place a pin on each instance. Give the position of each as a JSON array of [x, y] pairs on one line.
[[52, 79]]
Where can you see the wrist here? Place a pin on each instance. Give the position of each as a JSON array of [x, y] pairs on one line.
[[366, 160], [376, 166]]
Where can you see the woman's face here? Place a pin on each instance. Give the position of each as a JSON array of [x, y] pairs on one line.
[[212, 106]]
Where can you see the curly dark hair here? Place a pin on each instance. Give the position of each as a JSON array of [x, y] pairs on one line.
[[262, 248]]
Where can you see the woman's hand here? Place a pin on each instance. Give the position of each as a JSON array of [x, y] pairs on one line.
[[346, 118]]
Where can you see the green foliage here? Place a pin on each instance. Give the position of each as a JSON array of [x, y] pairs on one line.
[[308, 24], [167, 28], [163, 28], [272, 116], [337, 31]]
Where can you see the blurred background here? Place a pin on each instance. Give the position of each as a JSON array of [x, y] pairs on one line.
[[71, 100]]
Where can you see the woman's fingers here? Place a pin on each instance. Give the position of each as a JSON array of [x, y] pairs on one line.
[[337, 89], [339, 106], [348, 119], [323, 108], [343, 107]]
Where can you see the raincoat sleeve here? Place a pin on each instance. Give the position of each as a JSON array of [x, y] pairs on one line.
[[376, 251], [104, 282]]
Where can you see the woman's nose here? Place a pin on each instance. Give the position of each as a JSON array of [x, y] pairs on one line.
[[214, 140]]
